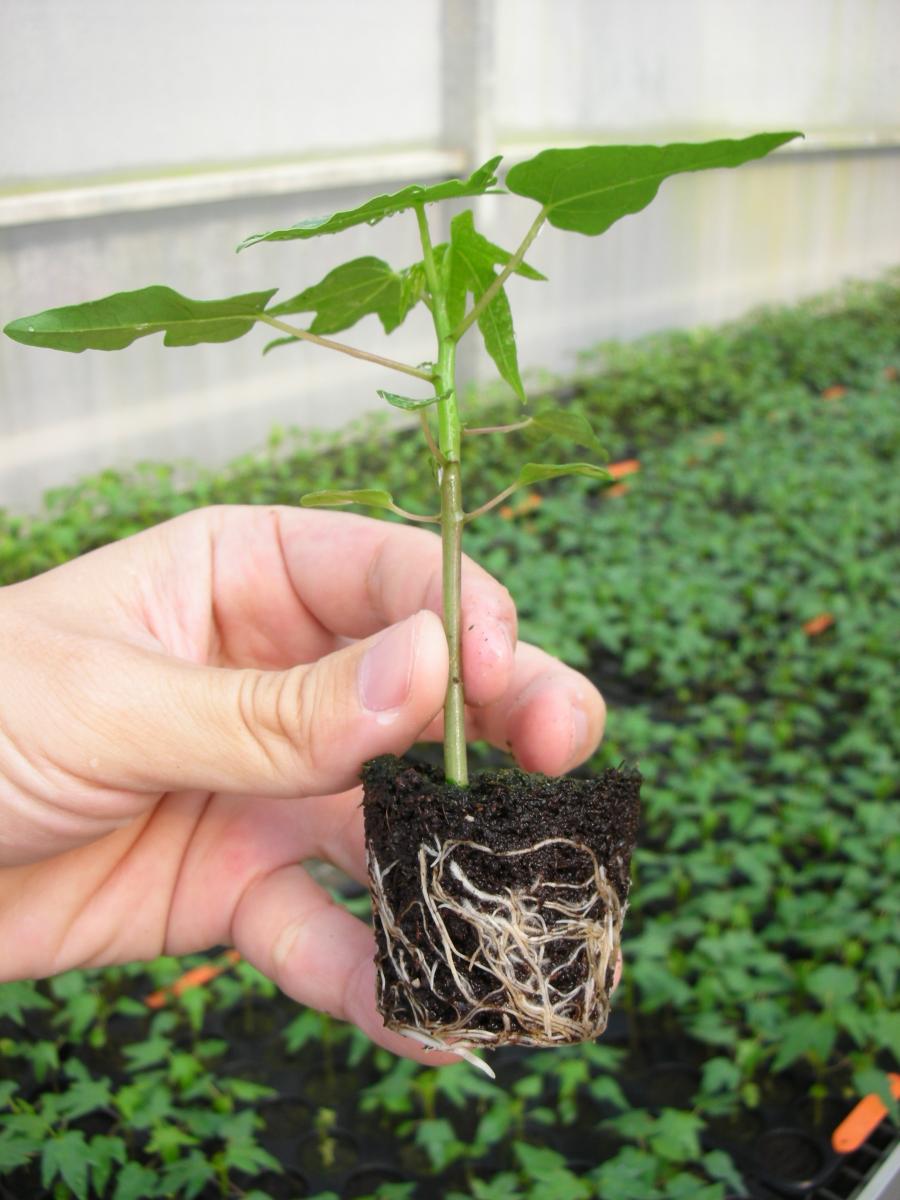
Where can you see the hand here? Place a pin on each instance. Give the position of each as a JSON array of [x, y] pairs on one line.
[[184, 714]]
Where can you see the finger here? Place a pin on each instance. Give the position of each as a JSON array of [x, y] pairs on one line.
[[353, 576], [551, 717], [335, 833], [152, 724], [288, 927]]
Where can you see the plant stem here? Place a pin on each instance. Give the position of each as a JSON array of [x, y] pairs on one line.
[[305, 336], [472, 316], [452, 514]]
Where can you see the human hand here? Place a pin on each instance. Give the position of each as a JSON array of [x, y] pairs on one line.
[[184, 716]]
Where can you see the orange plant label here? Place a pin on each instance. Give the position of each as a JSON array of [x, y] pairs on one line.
[[196, 977], [862, 1120], [531, 502], [627, 466], [816, 625]]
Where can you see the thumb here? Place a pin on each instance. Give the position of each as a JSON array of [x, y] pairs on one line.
[[303, 731]]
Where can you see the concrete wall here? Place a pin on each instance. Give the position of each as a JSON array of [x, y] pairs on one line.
[[139, 144]]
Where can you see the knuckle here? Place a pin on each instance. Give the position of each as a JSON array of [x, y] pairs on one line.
[[259, 705], [314, 709]]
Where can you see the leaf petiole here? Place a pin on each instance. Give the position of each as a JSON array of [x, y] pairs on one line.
[[500, 428], [353, 351]]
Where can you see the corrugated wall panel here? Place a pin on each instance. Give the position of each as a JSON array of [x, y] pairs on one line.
[[710, 247]]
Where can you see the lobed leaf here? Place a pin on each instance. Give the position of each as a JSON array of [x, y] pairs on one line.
[[66, 1156], [350, 292], [588, 189], [334, 498], [379, 207], [118, 320], [470, 268]]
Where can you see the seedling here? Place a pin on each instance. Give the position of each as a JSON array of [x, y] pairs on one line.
[[499, 917]]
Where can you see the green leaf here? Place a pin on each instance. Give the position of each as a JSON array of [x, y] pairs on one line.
[[135, 1182], [84, 1097], [565, 422], [439, 1141], [15, 1152], [168, 1141], [350, 292], [676, 1136], [504, 1186], [830, 984], [536, 472], [334, 498], [141, 1055], [116, 321], [636, 1124], [494, 1125], [408, 403], [886, 1030], [718, 1165], [809, 1035], [686, 1186], [379, 207], [720, 1075], [471, 269], [538, 1161], [629, 1175], [66, 1157], [8, 1088], [483, 251], [605, 1090], [305, 1027], [245, 1090], [44, 1058], [249, 1158], [79, 1013], [188, 1176], [104, 1151], [18, 997], [588, 189]]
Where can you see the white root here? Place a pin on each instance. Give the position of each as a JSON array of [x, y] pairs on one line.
[[512, 975]]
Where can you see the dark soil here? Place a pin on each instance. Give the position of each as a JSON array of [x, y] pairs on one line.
[[409, 806]]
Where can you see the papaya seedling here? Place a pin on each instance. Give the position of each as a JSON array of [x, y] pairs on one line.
[[499, 902]]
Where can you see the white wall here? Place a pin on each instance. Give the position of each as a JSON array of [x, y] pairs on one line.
[[139, 143]]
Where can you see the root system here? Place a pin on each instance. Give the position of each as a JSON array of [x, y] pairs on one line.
[[503, 936]]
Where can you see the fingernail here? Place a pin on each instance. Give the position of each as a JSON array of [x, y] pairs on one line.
[[385, 673], [580, 732]]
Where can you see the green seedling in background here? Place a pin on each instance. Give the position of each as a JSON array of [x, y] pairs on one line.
[[461, 282]]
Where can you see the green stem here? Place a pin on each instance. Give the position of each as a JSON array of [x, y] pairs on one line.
[[472, 316], [305, 336], [452, 514]]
